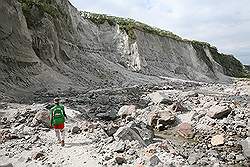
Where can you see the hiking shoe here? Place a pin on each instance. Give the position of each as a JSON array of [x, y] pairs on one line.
[[62, 143]]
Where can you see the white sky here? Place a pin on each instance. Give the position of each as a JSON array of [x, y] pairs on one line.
[[223, 23]]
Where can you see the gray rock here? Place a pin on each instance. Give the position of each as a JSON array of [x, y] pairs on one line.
[[110, 129], [192, 159], [3, 105], [41, 117], [161, 97], [127, 133], [134, 131], [110, 115], [131, 152], [127, 110], [161, 119], [120, 147], [219, 111], [246, 147], [240, 158], [154, 160], [75, 130], [6, 165]]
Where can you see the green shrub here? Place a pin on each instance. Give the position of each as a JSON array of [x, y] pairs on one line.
[[231, 66], [43, 6]]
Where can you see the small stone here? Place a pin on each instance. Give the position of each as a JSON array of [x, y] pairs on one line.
[[120, 160], [120, 147], [38, 155], [192, 159], [131, 152], [185, 130], [154, 160], [231, 156], [75, 130], [217, 140], [240, 158]]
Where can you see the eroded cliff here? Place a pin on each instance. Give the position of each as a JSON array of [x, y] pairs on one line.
[[48, 46]]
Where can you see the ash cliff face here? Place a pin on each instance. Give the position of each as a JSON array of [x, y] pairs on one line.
[[46, 46]]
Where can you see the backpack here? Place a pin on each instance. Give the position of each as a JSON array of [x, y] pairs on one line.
[[57, 114]]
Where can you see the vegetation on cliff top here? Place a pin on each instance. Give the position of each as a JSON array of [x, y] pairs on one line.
[[231, 66], [129, 25], [33, 10]]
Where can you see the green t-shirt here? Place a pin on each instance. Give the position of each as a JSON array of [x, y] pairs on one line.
[[57, 115]]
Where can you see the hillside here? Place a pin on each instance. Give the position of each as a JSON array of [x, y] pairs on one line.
[[48, 47]]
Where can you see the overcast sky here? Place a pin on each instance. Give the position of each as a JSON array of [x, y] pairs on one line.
[[223, 23]]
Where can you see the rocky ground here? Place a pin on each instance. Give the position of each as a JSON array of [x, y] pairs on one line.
[[175, 124]]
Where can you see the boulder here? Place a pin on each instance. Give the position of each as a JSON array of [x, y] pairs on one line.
[[120, 147], [185, 130], [246, 147], [107, 116], [41, 117], [161, 97], [161, 119], [139, 132], [219, 111], [145, 131], [217, 140], [127, 110]]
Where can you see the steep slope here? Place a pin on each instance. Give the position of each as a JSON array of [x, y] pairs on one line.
[[48, 46]]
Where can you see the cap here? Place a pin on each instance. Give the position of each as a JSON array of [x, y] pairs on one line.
[[57, 99]]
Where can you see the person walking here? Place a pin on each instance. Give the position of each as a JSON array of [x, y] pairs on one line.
[[57, 119]]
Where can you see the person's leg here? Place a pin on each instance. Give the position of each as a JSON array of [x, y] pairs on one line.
[[58, 135], [63, 136]]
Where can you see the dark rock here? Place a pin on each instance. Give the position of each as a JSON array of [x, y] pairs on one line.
[[134, 131], [38, 155], [110, 129], [120, 160], [75, 130]]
